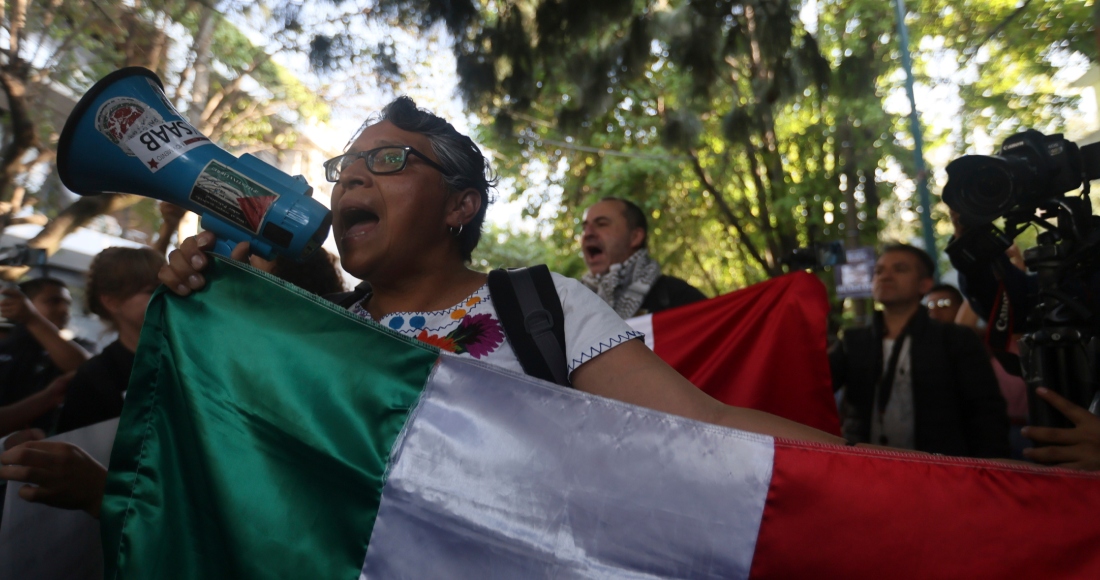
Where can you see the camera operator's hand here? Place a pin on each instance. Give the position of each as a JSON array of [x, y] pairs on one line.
[[16, 307], [182, 272], [1016, 257], [1077, 448]]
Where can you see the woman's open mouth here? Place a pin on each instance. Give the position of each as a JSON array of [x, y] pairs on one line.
[[358, 221]]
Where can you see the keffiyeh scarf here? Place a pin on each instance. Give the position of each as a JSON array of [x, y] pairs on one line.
[[625, 285]]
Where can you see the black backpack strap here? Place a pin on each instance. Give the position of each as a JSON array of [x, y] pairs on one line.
[[348, 299], [530, 312]]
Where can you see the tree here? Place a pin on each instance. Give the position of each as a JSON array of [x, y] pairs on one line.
[[738, 131], [253, 104], [742, 132], [1007, 56]]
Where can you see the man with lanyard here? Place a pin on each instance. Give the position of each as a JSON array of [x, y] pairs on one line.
[[912, 382], [620, 269]]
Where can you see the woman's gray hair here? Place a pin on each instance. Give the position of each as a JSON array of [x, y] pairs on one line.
[[457, 153]]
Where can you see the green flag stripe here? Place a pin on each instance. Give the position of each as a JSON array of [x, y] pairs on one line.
[[255, 436]]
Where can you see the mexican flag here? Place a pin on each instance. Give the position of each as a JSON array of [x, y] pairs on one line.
[[763, 347], [270, 434]]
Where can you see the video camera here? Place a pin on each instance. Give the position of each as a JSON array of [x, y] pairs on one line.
[[1026, 184], [1031, 168]]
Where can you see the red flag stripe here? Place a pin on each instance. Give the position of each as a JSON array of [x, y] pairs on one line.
[[762, 347], [837, 512]]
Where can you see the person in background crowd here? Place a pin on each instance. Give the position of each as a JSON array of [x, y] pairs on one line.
[[120, 282], [619, 267], [318, 274], [913, 382], [943, 302], [18, 416], [36, 352], [946, 304]]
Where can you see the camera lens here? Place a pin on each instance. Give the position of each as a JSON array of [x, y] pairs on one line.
[[980, 187]]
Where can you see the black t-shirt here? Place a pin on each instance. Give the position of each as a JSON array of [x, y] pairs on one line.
[[95, 393], [25, 369]]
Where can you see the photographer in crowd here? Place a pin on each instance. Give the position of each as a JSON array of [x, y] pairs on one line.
[[1026, 185]]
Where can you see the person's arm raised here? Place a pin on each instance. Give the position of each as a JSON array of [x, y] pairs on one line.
[[66, 354], [631, 373], [183, 272], [20, 414]]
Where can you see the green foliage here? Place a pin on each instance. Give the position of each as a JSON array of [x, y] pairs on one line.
[[1007, 54], [511, 248], [742, 133], [719, 119]]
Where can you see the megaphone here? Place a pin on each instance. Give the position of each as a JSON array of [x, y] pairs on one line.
[[124, 136]]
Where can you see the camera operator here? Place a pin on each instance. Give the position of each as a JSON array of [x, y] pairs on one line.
[[1026, 185], [1005, 284]]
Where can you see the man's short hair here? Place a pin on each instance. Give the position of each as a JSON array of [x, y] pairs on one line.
[[635, 217], [927, 266], [32, 288], [953, 291]]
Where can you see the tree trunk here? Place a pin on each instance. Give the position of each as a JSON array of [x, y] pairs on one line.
[[200, 88], [23, 132], [78, 214]]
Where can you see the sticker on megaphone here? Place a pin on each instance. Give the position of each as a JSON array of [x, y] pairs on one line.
[[125, 121]]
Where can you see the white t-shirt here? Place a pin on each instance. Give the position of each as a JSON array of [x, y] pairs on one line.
[[472, 328], [894, 427]]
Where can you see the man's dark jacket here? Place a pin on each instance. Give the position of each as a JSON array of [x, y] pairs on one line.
[[958, 408], [669, 292]]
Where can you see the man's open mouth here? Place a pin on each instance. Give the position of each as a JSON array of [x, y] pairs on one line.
[[592, 252]]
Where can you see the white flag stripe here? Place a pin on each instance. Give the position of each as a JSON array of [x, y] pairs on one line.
[[501, 476], [644, 325]]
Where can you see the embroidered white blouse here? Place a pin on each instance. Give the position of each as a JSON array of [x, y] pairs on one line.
[[472, 328]]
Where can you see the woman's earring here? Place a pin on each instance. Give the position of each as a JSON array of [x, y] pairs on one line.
[[456, 231]]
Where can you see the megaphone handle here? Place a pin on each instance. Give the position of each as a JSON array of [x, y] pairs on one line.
[[223, 247]]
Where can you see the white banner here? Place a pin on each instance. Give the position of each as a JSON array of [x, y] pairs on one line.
[[39, 542]]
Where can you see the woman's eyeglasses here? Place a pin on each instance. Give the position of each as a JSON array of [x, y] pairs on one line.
[[380, 161]]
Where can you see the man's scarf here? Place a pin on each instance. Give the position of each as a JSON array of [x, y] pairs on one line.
[[625, 285]]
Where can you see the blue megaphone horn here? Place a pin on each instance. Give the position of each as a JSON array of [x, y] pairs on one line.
[[124, 136]]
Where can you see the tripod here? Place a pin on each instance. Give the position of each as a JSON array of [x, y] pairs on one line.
[[1062, 353]]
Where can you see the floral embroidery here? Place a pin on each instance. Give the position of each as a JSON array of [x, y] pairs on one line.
[[441, 342], [477, 335]]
